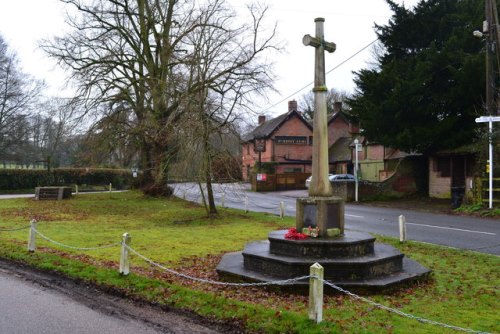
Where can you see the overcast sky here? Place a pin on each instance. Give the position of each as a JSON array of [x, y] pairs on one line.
[[348, 23]]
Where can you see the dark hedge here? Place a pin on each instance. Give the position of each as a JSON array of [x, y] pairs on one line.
[[11, 179]]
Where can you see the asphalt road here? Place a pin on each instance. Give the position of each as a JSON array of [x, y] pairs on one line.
[[43, 303], [470, 233]]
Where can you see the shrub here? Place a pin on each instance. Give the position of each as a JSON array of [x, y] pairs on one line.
[[11, 179]]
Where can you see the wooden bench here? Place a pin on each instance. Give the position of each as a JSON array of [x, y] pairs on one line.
[[52, 193]]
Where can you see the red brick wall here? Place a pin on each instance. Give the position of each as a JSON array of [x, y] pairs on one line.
[[336, 129], [280, 153], [293, 127], [375, 152]]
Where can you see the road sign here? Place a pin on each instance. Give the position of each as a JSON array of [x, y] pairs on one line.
[[486, 119]]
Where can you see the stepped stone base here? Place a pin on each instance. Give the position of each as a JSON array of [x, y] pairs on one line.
[[350, 261]]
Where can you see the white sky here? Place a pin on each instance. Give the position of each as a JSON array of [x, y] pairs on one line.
[[348, 23]]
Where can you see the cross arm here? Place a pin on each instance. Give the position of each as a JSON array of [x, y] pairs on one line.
[[308, 40]]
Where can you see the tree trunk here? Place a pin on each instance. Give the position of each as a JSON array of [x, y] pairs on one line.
[[212, 210]]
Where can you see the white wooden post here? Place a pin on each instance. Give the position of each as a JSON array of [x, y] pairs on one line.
[[223, 200], [357, 149], [185, 193], [402, 228], [246, 204], [32, 236], [316, 293], [124, 262], [282, 209], [110, 187], [76, 189], [489, 120]]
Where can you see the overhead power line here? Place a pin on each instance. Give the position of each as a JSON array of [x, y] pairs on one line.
[[328, 72]]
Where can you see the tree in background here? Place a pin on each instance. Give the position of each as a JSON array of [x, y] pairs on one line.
[[306, 102], [18, 94], [428, 83], [140, 54]]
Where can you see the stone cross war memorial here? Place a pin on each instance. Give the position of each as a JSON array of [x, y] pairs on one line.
[[350, 259]]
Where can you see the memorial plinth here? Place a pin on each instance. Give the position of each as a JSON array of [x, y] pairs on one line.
[[353, 260], [326, 213], [349, 258]]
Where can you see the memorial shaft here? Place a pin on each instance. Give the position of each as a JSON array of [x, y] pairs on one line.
[[320, 184]]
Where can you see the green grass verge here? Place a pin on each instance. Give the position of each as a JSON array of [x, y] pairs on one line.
[[463, 290], [478, 210]]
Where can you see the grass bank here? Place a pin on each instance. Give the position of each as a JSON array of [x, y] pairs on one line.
[[463, 290]]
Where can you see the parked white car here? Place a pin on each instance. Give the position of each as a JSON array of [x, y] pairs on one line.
[[334, 178]]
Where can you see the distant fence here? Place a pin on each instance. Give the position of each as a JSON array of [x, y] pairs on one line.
[[278, 182], [483, 189]]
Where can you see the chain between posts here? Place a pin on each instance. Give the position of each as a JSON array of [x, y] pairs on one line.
[[294, 280], [73, 247], [202, 280], [398, 312], [14, 229]]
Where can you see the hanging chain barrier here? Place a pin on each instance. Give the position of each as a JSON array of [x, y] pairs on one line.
[[73, 247], [290, 281], [398, 312], [302, 278], [202, 280], [14, 229]]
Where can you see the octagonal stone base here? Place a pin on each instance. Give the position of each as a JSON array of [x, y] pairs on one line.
[[352, 260]]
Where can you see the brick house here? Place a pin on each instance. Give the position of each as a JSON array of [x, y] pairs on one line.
[[377, 162], [452, 169], [285, 140], [341, 134]]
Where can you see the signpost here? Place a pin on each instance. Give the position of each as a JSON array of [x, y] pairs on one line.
[[357, 148], [490, 120]]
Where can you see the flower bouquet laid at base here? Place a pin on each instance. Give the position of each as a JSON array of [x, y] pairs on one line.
[[293, 234], [313, 232]]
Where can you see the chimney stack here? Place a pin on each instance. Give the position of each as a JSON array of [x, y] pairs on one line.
[[262, 119], [337, 106], [292, 105]]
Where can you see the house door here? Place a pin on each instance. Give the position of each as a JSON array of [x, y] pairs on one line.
[[458, 171]]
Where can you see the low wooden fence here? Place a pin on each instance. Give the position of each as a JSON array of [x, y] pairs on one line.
[[277, 182], [483, 189]]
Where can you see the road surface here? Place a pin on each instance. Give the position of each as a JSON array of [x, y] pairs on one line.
[[470, 233], [36, 302]]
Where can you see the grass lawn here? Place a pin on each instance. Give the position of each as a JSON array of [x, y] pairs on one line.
[[463, 290]]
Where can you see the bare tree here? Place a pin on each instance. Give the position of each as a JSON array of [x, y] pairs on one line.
[[142, 53], [215, 109], [306, 102], [18, 92], [50, 127]]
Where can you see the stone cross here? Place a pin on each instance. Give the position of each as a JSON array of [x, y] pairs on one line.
[[320, 185]]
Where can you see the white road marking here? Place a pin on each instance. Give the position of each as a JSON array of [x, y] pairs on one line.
[[354, 216], [451, 228]]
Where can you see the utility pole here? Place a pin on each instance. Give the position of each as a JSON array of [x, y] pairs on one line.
[[489, 30]]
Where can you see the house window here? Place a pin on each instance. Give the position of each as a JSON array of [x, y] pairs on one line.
[[290, 140], [310, 140], [293, 170]]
